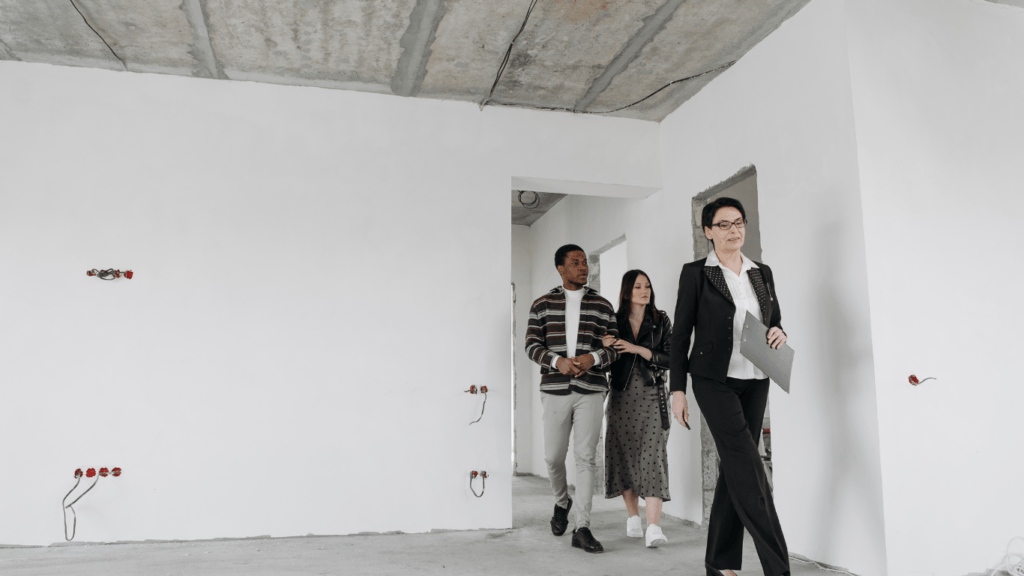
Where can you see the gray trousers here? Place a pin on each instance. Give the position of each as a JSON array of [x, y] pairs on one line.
[[581, 414]]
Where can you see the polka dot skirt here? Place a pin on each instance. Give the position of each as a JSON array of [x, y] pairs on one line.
[[634, 451]]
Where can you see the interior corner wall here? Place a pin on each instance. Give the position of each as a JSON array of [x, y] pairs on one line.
[[522, 277], [786, 107], [319, 275], [938, 87]]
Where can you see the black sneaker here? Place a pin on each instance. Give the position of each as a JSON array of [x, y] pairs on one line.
[[560, 521], [582, 538]]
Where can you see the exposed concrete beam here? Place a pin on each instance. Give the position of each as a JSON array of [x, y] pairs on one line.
[[207, 65], [415, 43], [652, 25], [6, 53]]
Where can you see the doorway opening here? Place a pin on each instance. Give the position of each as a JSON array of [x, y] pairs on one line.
[[535, 237], [743, 187]]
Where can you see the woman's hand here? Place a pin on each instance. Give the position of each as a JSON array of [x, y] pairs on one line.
[[679, 408], [776, 337], [618, 344], [627, 347]]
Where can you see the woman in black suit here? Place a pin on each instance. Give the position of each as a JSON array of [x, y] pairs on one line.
[[715, 295]]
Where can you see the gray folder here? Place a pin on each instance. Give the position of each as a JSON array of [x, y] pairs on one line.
[[776, 363]]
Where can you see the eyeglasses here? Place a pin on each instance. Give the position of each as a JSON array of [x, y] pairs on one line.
[[725, 225]]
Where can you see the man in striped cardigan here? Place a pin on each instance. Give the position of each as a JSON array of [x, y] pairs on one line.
[[564, 337]]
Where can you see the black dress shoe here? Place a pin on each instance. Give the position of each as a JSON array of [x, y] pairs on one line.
[[582, 538], [560, 521], [712, 571]]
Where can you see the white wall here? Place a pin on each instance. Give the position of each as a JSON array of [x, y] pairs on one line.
[[613, 267], [786, 108], [522, 276], [938, 87], [320, 275]]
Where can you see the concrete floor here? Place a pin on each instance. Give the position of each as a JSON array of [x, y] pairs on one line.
[[528, 548]]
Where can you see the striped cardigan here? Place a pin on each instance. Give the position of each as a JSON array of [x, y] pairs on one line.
[[545, 340]]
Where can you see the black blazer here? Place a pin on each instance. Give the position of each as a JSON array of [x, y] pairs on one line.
[[705, 308], [655, 337]]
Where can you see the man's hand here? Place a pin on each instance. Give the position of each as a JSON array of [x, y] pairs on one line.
[[679, 408], [583, 363], [566, 367]]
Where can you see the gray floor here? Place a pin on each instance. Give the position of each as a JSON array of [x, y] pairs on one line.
[[528, 548]]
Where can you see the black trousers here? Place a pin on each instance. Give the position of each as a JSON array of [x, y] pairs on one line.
[[734, 412]]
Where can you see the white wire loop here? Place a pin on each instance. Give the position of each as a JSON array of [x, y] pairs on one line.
[[483, 482], [1013, 562], [482, 408], [66, 507]]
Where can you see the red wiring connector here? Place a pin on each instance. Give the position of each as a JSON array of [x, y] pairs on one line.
[[483, 390], [110, 274], [483, 480], [90, 473]]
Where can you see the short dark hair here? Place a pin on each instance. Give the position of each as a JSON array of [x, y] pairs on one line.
[[707, 217], [563, 252]]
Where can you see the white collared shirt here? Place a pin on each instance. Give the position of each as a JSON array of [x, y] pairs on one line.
[[746, 301]]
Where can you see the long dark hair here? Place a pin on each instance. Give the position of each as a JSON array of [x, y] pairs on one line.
[[626, 299]]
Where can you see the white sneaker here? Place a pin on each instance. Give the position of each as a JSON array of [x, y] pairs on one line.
[[655, 537], [633, 527]]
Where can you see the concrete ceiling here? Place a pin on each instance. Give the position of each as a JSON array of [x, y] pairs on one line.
[[593, 56], [529, 206]]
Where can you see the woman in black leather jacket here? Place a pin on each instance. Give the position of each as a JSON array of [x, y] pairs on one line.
[[636, 460]]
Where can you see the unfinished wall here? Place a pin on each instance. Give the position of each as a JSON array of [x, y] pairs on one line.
[[319, 276], [522, 277], [938, 87], [786, 108]]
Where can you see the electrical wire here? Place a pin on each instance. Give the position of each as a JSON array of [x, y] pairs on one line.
[[722, 67], [100, 36], [484, 392], [483, 481], [1013, 562], [504, 61], [575, 111], [74, 516], [64, 509], [110, 274]]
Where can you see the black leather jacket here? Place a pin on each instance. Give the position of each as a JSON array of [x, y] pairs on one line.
[[655, 337]]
